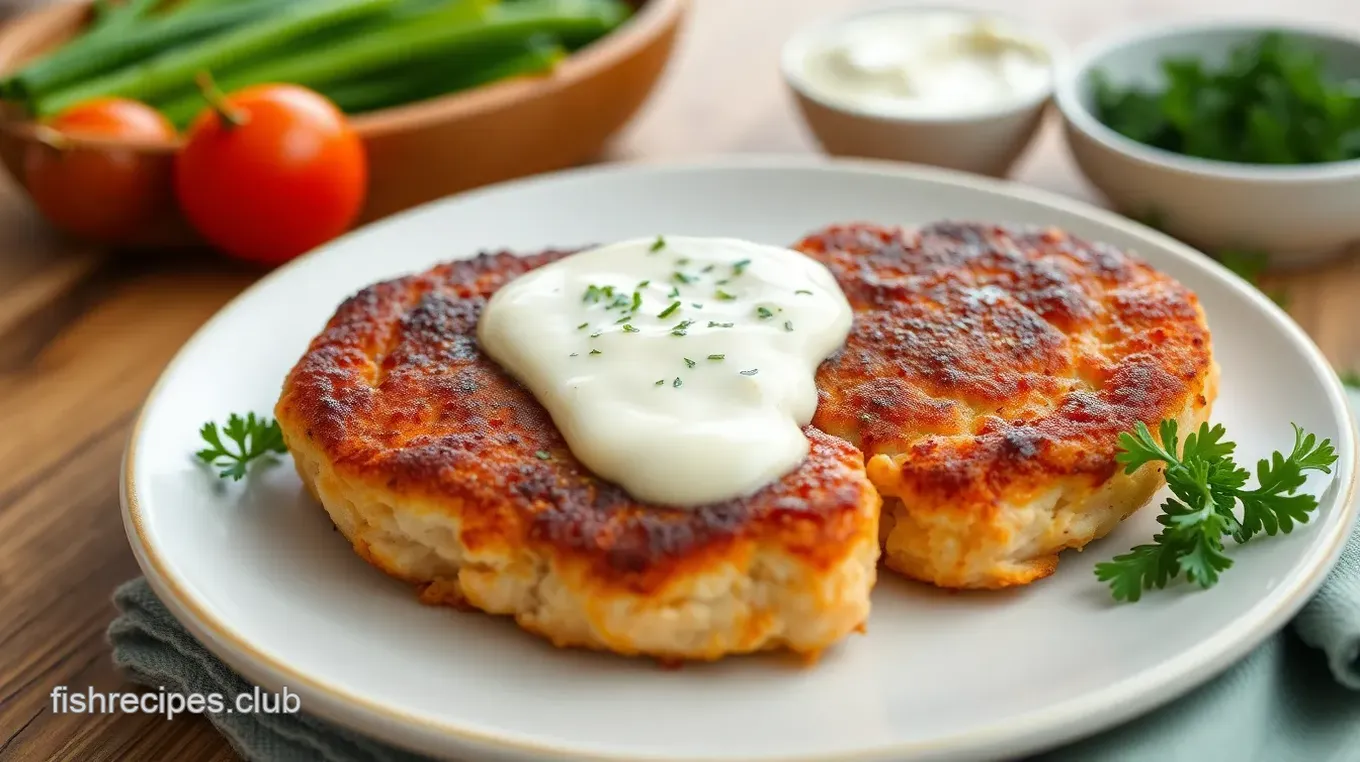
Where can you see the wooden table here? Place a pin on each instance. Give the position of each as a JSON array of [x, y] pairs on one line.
[[84, 334]]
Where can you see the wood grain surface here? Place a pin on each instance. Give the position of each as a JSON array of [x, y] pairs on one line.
[[85, 332]]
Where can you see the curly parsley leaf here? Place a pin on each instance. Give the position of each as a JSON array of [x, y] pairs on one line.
[[1272, 507], [254, 438], [1138, 448], [1207, 485]]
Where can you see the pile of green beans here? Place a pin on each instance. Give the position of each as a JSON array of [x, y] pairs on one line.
[[363, 54]]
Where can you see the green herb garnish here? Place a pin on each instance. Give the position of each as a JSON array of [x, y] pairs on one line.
[[677, 383], [1272, 102], [708, 268], [681, 262], [803, 291], [662, 381], [628, 328], [683, 278], [712, 324], [716, 357], [669, 310], [723, 296], [583, 326], [596, 352], [255, 438], [1206, 484], [1249, 266], [764, 313], [1351, 378], [674, 292], [788, 325], [658, 244], [750, 372], [739, 267], [690, 362], [543, 455], [595, 335]]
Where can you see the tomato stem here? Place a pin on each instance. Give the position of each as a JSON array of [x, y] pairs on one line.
[[231, 116]]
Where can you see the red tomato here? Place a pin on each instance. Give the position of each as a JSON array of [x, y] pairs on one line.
[[281, 174], [100, 193]]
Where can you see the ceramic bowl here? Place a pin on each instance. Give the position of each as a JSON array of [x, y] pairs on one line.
[[425, 150], [1296, 214], [981, 141]]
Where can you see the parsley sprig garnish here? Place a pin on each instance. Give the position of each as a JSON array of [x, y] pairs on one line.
[[254, 438], [1206, 486]]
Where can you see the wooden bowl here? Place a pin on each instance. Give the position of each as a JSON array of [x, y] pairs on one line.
[[425, 150]]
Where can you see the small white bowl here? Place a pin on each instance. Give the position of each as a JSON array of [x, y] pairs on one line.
[[982, 141], [1297, 214]]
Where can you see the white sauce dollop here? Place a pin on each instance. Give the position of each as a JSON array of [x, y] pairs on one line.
[[679, 368], [934, 63]]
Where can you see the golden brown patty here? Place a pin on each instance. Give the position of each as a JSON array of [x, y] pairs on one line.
[[444, 471], [987, 378]]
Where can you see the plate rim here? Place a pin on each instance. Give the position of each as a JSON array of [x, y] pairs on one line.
[[1028, 733]]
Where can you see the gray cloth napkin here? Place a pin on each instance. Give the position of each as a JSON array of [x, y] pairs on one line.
[[1288, 701], [155, 650]]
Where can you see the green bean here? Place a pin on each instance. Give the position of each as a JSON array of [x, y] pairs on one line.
[[120, 15], [186, 102], [408, 43], [404, 87], [109, 52], [176, 68]]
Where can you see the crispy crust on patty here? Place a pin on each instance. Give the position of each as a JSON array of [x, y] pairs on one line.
[[444, 471], [988, 375]]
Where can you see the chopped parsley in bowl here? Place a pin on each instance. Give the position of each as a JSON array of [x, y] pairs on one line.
[[1235, 135], [1272, 101]]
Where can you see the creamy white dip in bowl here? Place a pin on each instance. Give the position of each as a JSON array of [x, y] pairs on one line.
[[951, 87]]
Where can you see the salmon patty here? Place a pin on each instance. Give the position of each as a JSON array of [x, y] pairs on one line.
[[987, 378], [443, 471]]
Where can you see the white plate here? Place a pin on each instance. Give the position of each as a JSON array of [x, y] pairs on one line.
[[255, 570]]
